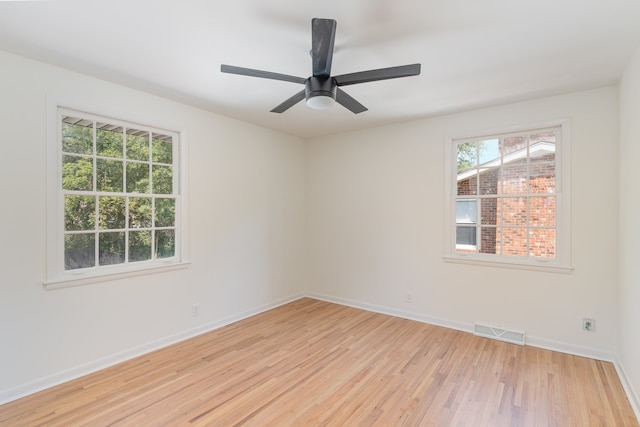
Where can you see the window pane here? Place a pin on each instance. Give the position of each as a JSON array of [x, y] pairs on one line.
[[162, 149], [77, 173], [489, 170], [139, 246], [77, 138], [514, 179], [79, 251], [542, 178], [466, 235], [468, 183], [137, 145], [514, 241], [514, 146], [162, 179], [488, 240], [466, 211], [109, 140], [543, 138], [489, 152], [542, 152], [467, 155], [514, 211], [165, 212], [165, 243], [137, 178], [111, 213], [542, 211], [111, 250], [488, 178], [489, 211], [139, 212], [542, 243], [79, 213], [109, 175]]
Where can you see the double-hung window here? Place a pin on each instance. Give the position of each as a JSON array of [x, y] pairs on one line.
[[116, 206], [508, 198]]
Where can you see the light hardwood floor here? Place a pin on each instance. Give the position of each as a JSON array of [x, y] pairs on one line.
[[313, 363]]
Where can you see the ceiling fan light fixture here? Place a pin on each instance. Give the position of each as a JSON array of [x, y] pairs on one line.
[[320, 92], [321, 102]]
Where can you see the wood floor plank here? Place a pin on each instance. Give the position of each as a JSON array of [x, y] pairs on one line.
[[313, 363]]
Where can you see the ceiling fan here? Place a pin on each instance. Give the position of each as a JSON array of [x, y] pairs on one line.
[[322, 90]]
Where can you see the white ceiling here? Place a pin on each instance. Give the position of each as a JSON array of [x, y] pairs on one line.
[[473, 52]]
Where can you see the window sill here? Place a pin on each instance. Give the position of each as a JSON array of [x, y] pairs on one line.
[[509, 264], [85, 279]]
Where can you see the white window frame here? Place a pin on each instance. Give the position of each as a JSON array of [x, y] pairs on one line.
[[56, 275], [562, 262]]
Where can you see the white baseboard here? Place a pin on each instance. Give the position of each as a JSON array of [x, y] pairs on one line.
[[632, 395], [451, 324], [96, 365], [575, 350]]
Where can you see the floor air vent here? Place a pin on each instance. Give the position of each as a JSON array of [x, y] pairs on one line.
[[514, 337]]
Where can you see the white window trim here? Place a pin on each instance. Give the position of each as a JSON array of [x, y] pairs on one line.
[[562, 262], [56, 276]]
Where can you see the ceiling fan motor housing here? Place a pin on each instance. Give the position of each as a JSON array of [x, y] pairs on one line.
[[320, 86]]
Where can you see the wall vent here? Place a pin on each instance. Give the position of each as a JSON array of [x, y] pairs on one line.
[[487, 331]]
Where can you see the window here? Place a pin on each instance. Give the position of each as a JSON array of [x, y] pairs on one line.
[[506, 198], [117, 199]]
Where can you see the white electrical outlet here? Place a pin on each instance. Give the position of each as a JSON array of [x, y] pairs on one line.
[[195, 310], [588, 324]]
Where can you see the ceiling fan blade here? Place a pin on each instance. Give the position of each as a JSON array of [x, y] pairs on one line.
[[323, 35], [289, 102], [348, 102], [259, 73], [379, 74]]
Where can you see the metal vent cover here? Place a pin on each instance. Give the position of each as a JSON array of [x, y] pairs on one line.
[[496, 333]]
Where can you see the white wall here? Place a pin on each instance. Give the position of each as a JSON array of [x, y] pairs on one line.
[[246, 233], [376, 220], [629, 228]]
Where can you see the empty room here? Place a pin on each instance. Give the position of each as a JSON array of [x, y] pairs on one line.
[[285, 213]]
